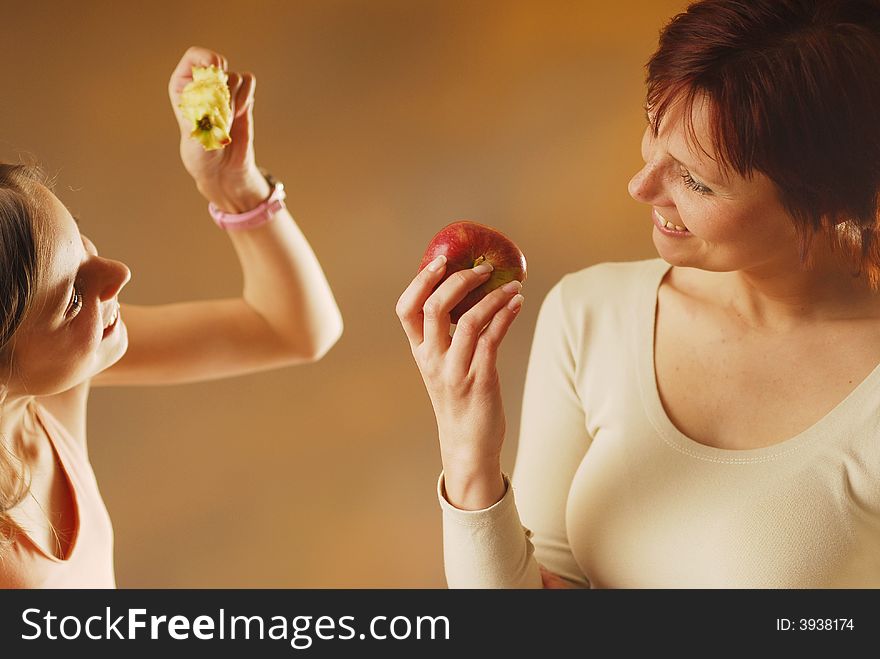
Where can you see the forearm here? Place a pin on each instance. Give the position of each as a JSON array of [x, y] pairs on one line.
[[284, 283]]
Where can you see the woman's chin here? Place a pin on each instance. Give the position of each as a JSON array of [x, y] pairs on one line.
[[114, 346], [682, 258]]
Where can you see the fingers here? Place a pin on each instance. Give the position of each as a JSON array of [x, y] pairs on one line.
[[473, 323], [182, 75], [242, 130], [194, 56], [243, 97], [409, 307], [486, 351], [441, 302], [234, 83], [551, 580]]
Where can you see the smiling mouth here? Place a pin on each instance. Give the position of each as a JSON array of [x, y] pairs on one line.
[[114, 317], [666, 224]]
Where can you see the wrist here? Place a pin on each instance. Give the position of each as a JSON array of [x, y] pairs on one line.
[[244, 195], [466, 459], [256, 216], [473, 486]]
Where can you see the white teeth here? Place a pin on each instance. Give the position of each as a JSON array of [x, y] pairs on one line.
[[669, 225], [113, 317]]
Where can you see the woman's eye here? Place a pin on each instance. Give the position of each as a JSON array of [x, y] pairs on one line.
[[75, 302], [693, 184]]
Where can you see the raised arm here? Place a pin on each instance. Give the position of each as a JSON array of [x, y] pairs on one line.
[[496, 535], [484, 544], [286, 313]]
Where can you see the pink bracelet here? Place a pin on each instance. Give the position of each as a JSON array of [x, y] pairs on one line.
[[252, 218]]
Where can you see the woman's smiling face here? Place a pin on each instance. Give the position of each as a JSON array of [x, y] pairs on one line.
[[73, 330], [704, 217]]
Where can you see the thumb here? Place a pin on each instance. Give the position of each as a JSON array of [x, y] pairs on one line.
[[243, 121]]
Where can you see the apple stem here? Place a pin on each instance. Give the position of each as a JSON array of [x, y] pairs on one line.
[[479, 260]]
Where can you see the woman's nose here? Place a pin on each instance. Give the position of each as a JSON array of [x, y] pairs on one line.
[[117, 275], [645, 185]]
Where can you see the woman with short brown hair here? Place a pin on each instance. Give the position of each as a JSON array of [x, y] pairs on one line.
[[710, 418]]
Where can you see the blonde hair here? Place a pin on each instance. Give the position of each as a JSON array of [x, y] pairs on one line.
[[23, 250]]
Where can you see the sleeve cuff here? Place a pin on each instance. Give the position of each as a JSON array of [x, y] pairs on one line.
[[488, 548]]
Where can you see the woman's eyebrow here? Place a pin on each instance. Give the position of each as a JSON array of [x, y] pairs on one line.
[[705, 179]]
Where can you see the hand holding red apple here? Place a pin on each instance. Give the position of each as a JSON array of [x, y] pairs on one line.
[[467, 244], [459, 371]]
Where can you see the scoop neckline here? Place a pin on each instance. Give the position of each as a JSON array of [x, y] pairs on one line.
[[62, 462], [679, 441]]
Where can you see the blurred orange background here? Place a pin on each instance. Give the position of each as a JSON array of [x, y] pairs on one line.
[[386, 120]]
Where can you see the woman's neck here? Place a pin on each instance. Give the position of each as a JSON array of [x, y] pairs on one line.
[[780, 295]]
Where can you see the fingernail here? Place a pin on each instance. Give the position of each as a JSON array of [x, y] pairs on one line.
[[512, 287], [437, 263], [515, 303], [483, 268]]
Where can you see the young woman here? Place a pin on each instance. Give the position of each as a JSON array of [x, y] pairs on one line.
[[63, 330], [709, 418]]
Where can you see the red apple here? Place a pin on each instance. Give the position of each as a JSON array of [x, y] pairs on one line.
[[466, 244]]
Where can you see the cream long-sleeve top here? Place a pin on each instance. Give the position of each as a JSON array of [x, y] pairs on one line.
[[607, 493]]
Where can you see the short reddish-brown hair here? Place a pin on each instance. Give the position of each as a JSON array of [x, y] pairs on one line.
[[794, 90]]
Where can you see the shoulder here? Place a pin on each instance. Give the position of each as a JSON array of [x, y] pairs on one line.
[[608, 286], [614, 277], [607, 299]]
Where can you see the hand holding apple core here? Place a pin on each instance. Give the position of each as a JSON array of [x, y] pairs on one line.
[[467, 244]]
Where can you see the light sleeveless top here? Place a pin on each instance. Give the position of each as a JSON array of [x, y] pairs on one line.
[[89, 559]]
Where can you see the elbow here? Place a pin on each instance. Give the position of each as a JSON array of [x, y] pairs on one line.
[[329, 337], [322, 340]]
